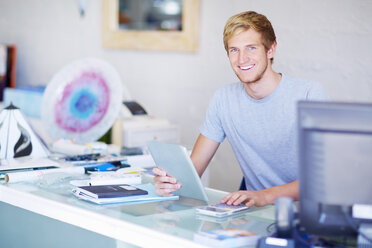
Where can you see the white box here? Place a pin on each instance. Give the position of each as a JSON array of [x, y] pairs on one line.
[[136, 131]]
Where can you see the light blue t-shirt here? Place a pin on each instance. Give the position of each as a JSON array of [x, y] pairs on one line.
[[262, 133]]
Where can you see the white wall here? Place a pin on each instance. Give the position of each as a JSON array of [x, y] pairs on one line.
[[324, 40]]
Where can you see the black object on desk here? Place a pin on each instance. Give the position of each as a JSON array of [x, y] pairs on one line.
[[111, 191], [94, 161], [84, 157]]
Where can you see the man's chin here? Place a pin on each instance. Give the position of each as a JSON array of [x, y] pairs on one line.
[[249, 80]]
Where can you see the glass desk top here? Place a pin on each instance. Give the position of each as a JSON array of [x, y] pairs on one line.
[[168, 223]]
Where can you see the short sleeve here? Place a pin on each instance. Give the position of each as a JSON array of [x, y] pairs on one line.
[[317, 93], [212, 127]]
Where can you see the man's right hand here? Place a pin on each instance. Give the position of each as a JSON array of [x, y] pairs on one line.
[[164, 183]]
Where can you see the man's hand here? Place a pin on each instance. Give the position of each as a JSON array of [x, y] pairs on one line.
[[263, 197], [249, 198], [164, 183]]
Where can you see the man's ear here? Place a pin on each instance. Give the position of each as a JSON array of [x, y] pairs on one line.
[[271, 51]]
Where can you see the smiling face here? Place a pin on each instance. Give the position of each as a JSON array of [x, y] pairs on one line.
[[248, 57]]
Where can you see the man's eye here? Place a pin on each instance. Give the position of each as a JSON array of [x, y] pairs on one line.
[[251, 48], [233, 50]]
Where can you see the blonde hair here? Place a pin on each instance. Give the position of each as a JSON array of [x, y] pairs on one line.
[[246, 20]]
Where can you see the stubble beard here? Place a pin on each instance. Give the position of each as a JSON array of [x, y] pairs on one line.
[[253, 81], [256, 79]]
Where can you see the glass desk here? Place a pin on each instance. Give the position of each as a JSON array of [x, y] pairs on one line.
[[46, 214]]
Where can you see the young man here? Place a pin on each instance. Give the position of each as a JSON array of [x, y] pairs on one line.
[[257, 115]]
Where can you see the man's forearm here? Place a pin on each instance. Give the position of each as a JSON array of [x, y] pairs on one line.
[[289, 190]]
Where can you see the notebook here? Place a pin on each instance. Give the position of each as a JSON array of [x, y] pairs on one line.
[[111, 191], [136, 199]]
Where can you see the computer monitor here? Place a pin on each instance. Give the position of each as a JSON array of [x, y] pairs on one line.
[[335, 171]]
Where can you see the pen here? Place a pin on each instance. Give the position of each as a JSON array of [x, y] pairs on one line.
[[3, 172]]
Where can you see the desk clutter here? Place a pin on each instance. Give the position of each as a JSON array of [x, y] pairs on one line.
[[90, 172], [25, 158]]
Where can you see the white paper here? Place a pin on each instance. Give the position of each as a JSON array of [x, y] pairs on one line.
[[38, 174]]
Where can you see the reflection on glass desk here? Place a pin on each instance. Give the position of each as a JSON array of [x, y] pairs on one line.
[[46, 214]]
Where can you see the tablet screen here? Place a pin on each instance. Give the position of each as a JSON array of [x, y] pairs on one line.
[[177, 163]]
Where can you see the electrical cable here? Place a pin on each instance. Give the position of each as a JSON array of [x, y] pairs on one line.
[[301, 241], [298, 238], [269, 231]]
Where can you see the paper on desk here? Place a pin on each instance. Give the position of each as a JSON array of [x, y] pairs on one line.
[[33, 175], [69, 148], [128, 175], [150, 197], [27, 162], [109, 178], [142, 161]]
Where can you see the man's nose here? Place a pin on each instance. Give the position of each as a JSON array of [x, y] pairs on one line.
[[243, 57]]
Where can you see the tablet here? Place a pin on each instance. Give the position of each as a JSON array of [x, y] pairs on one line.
[[221, 210], [177, 163]]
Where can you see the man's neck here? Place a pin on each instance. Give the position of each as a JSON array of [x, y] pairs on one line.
[[263, 87]]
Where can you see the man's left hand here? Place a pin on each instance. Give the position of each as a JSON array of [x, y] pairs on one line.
[[249, 198]]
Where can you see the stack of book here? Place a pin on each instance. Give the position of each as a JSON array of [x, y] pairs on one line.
[[122, 193]]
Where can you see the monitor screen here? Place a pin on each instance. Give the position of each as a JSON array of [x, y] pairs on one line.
[[335, 152]]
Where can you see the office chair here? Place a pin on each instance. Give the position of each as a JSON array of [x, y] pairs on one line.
[[242, 185]]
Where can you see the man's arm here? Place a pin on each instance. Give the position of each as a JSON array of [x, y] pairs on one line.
[[202, 153], [262, 197]]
